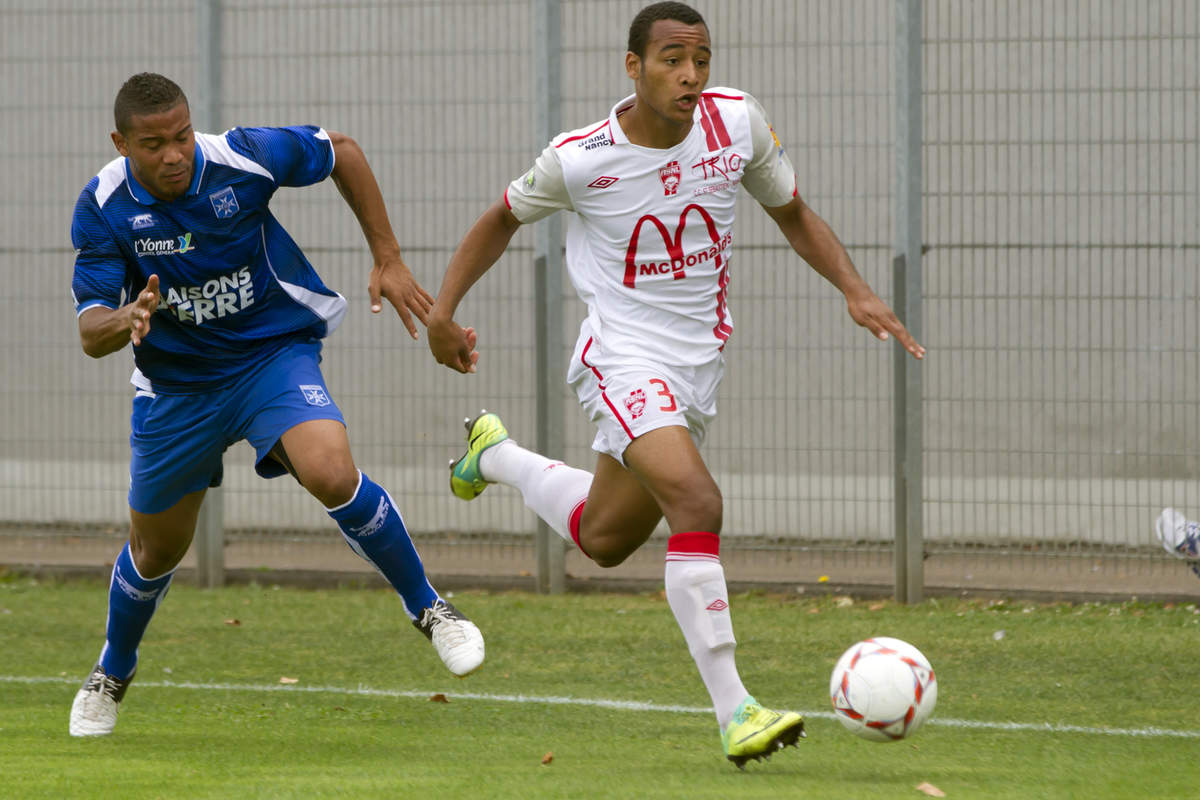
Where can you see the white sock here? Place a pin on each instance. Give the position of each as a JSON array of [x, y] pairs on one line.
[[696, 592], [551, 489]]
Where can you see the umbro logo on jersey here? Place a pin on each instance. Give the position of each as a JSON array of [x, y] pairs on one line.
[[224, 203], [717, 605], [141, 221], [603, 182]]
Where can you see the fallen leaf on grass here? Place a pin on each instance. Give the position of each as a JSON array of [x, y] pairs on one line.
[[876, 606], [286, 679], [546, 759], [929, 789], [843, 601], [438, 698], [233, 622]]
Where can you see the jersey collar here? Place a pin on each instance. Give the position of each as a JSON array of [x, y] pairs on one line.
[[142, 194], [618, 133]]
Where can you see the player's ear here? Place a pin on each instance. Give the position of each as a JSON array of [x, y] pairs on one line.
[[119, 142], [633, 65]]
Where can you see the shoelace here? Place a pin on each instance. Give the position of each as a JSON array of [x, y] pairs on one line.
[[436, 616], [99, 682], [749, 712]]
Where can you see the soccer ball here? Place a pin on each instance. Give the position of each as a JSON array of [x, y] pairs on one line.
[[883, 689]]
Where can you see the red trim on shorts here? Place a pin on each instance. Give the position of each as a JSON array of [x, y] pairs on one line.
[[573, 525], [584, 135], [694, 546], [600, 378]]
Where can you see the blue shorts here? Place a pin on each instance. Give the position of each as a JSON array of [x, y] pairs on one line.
[[178, 440]]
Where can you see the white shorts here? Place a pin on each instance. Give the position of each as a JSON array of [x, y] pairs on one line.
[[625, 400]]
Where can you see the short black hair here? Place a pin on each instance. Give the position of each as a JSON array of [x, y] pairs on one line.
[[145, 93], [639, 29]]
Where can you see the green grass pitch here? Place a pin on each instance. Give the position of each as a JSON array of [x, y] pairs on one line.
[[1036, 701]]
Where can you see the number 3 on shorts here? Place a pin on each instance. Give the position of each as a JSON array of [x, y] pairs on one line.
[[669, 404]]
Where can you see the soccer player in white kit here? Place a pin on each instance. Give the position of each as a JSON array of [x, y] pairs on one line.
[[653, 187]]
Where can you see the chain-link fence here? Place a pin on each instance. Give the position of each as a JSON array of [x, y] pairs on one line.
[[1061, 173]]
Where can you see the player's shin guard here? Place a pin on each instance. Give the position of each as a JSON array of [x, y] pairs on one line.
[[551, 489], [695, 584], [132, 601], [373, 527]]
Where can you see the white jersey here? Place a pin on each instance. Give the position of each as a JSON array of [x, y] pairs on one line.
[[650, 243]]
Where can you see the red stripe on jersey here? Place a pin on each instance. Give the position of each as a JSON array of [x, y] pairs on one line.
[[722, 329], [718, 124], [724, 96], [583, 135], [709, 134], [506, 199]]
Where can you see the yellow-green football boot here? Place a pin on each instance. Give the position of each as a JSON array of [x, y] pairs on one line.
[[756, 732], [483, 432]]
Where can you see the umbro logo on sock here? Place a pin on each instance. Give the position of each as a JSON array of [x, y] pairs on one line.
[[717, 605]]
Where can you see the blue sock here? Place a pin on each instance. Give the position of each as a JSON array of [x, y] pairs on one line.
[[374, 529], [132, 601]]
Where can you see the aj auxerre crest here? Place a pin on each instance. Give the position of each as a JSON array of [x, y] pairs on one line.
[[224, 203], [314, 394]]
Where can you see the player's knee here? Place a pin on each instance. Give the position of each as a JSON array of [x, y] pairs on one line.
[[610, 557], [701, 510], [153, 558], [332, 483]]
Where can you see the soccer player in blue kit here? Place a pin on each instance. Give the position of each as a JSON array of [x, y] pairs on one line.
[[178, 254]]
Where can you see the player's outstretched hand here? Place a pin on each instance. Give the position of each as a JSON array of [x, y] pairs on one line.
[[141, 310], [873, 314], [453, 345], [392, 279]]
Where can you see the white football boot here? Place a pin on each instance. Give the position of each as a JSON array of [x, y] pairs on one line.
[[1179, 535], [457, 640], [94, 712]]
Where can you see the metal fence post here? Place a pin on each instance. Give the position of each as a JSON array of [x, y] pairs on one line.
[[209, 541], [548, 285], [906, 287]]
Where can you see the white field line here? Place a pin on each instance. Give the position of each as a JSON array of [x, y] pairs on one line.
[[618, 705]]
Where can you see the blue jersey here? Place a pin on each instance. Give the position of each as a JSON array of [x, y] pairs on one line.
[[235, 286]]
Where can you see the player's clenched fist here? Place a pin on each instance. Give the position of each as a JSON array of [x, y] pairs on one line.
[[141, 309], [453, 345]]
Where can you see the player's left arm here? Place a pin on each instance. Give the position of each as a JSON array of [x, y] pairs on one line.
[[390, 277], [771, 180], [815, 242]]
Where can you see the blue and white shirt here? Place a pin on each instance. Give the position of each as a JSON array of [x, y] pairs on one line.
[[235, 286]]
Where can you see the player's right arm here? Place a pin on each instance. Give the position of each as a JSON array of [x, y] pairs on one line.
[[101, 282], [106, 330], [482, 247], [538, 193]]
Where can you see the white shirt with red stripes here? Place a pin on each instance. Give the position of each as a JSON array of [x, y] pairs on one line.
[[650, 243]]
